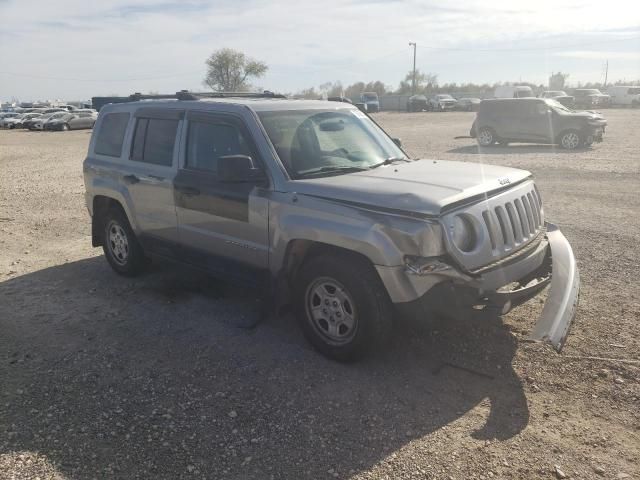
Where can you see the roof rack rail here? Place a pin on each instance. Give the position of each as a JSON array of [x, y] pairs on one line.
[[186, 95]]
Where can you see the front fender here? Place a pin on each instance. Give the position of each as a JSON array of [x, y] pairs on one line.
[[384, 239]]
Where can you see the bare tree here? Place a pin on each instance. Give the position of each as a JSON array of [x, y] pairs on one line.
[[425, 83], [229, 70]]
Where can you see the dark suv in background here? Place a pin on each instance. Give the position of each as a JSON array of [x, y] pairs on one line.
[[535, 120]]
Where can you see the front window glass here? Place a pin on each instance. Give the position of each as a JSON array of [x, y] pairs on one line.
[[209, 141], [319, 143]]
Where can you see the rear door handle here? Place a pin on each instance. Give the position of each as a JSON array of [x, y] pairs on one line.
[[131, 179], [191, 191]]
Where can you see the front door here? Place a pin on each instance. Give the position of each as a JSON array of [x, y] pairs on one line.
[[222, 226]]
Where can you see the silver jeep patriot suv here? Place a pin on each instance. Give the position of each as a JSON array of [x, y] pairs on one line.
[[315, 200]]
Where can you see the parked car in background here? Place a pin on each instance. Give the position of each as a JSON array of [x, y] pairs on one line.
[[468, 104], [624, 95], [4, 116], [442, 102], [588, 98], [560, 97], [535, 120], [417, 103], [17, 122], [72, 121], [513, 91], [371, 100], [55, 110], [39, 122]]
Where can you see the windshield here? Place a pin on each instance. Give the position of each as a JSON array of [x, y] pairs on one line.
[[322, 143], [370, 96]]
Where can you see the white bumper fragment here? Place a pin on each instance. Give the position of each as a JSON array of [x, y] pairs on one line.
[[562, 301]]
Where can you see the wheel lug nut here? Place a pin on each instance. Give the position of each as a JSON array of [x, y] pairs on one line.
[[335, 304], [326, 302]]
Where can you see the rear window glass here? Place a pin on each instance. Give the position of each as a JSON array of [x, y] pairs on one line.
[[111, 134], [154, 141]]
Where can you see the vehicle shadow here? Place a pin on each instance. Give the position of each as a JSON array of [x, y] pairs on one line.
[[513, 149], [151, 378]]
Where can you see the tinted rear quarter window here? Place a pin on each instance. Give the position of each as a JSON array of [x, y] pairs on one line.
[[111, 135], [154, 141]]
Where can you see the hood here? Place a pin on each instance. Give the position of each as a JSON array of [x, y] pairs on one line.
[[424, 186], [586, 114]]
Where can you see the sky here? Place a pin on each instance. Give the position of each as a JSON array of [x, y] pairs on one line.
[[76, 49]]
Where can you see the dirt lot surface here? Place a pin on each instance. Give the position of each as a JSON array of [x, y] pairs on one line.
[[153, 377]]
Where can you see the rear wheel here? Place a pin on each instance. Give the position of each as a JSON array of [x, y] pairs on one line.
[[486, 137], [120, 245], [571, 139], [342, 306]]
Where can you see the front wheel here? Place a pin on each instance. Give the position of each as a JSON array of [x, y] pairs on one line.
[[342, 306], [120, 245], [486, 137], [571, 139]]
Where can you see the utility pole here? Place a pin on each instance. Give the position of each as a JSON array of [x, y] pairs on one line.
[[606, 72], [413, 83]]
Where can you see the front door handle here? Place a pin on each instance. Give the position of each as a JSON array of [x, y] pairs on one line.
[[131, 179], [190, 191]]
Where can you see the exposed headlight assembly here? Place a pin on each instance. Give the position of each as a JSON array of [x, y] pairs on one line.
[[463, 233]]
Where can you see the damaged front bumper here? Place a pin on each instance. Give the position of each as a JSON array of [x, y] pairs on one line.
[[447, 290]]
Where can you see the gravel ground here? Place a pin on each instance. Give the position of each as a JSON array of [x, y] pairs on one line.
[[154, 377]]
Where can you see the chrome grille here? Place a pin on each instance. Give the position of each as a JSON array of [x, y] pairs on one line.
[[514, 222]]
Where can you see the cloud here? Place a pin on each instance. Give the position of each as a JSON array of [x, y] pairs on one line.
[[121, 46]]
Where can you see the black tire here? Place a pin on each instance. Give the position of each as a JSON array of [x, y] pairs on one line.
[[486, 137], [366, 302], [115, 227], [571, 139]]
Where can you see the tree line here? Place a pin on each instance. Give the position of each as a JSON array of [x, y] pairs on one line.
[[229, 70]]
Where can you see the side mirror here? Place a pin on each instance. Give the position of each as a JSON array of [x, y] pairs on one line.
[[238, 168], [397, 141]]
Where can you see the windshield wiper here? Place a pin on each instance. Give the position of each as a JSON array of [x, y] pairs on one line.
[[346, 169], [389, 161]]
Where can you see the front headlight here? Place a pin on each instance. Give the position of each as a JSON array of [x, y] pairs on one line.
[[463, 234]]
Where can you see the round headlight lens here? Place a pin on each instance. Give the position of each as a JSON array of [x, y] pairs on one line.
[[464, 235]]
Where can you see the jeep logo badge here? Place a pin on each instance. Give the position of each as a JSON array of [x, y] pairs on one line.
[[504, 181]]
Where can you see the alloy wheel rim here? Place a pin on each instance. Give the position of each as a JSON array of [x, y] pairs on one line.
[[570, 140], [118, 243], [485, 137], [331, 311]]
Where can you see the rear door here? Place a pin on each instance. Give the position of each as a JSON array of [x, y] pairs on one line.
[[222, 226], [149, 177]]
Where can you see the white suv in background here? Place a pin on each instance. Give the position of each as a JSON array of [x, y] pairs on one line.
[[624, 95]]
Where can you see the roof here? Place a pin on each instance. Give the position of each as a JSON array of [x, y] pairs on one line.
[[256, 104]]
